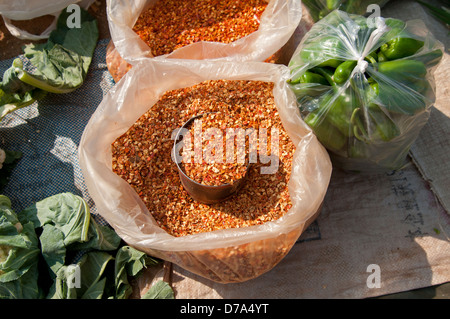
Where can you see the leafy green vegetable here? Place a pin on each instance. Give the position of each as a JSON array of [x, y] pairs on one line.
[[66, 226], [92, 267], [160, 290], [129, 262], [10, 102], [59, 66], [19, 254], [63, 61]]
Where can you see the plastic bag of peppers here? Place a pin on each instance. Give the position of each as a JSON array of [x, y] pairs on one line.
[[365, 86], [318, 9]]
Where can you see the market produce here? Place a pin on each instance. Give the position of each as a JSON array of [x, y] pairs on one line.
[[38, 244], [366, 90], [58, 66], [318, 9]]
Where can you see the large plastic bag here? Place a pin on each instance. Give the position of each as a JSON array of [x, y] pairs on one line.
[[366, 112], [30, 9], [228, 255], [278, 23], [318, 9]]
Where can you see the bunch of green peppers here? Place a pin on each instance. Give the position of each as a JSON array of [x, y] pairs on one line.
[[318, 9], [349, 114]]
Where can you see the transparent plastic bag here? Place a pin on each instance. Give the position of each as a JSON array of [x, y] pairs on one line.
[[227, 255], [374, 91], [278, 23], [318, 9], [30, 9]]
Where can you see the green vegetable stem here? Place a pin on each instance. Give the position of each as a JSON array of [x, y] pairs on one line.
[[385, 127]]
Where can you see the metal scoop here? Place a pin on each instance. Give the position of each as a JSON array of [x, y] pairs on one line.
[[206, 194]]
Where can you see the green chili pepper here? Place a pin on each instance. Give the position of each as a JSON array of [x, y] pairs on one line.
[[324, 52], [305, 92], [309, 77], [326, 73], [400, 47], [334, 63], [408, 72], [308, 85], [338, 111], [402, 70], [343, 71], [384, 128], [401, 100], [326, 133], [405, 94], [333, 4], [358, 149]]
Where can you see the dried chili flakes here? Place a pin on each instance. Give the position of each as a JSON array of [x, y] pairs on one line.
[[142, 157], [172, 24]]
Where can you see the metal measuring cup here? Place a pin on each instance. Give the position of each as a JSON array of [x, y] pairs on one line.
[[206, 194]]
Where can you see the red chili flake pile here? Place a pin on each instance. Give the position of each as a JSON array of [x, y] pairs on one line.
[[142, 157], [172, 24]]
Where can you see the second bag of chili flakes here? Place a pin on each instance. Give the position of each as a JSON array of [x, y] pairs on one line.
[[254, 31], [366, 86]]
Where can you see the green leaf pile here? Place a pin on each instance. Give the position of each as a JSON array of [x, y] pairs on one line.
[[52, 232], [19, 253]]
